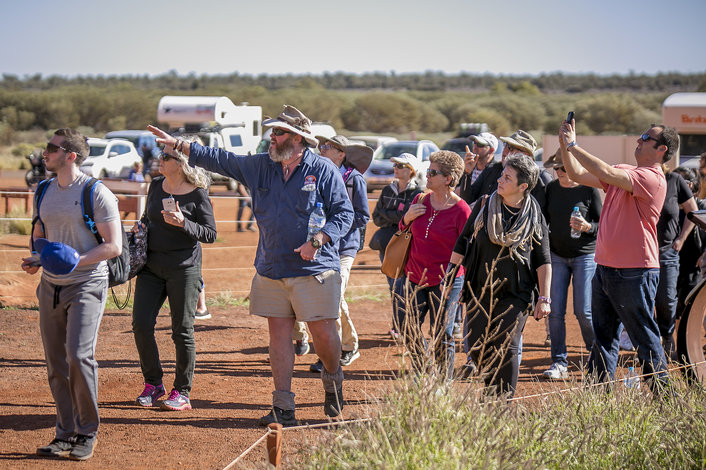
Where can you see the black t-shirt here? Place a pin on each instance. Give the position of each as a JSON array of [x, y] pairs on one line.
[[520, 279], [560, 203], [169, 246], [668, 226]]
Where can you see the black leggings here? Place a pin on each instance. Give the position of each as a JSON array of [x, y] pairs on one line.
[[494, 346]]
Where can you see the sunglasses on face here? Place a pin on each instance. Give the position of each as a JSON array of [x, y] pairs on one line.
[[51, 148], [433, 173], [560, 168], [645, 137], [479, 144], [401, 166], [324, 147], [166, 157], [278, 131]]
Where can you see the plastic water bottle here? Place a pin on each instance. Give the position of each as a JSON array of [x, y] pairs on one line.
[[576, 213], [317, 220], [631, 380]]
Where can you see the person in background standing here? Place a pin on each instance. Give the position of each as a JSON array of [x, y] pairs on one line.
[[343, 155], [393, 203], [572, 259]]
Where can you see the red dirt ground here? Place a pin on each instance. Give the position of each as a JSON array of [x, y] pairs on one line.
[[232, 383]]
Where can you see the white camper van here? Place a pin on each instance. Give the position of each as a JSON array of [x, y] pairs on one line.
[[686, 112], [216, 121]]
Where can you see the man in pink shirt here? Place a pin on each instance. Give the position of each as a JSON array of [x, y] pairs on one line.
[[627, 255]]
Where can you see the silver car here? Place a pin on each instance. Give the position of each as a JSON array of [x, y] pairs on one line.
[[380, 172]]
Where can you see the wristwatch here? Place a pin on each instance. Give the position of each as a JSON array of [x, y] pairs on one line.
[[315, 243]]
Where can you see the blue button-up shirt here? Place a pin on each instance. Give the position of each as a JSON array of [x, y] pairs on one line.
[[282, 208]]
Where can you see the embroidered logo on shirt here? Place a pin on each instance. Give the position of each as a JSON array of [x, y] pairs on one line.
[[309, 183]]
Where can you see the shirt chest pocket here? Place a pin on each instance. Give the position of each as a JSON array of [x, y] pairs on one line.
[[306, 201]]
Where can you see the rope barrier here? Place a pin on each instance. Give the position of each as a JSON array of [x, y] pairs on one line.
[[248, 450]]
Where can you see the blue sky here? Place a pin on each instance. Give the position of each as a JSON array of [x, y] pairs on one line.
[[79, 37]]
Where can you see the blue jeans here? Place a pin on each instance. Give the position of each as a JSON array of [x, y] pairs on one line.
[[419, 301], [666, 299], [626, 296], [582, 269]]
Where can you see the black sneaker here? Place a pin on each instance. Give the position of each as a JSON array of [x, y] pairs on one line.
[[278, 415], [83, 447], [317, 366], [347, 357], [56, 448], [333, 403]]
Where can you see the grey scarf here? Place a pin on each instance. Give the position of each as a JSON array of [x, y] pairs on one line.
[[525, 228]]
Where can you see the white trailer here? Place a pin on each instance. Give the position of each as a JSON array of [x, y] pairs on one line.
[[218, 121], [686, 112]]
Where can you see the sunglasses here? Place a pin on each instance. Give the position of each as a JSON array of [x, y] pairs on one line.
[[166, 157], [477, 144], [433, 173], [51, 148], [401, 166], [324, 147], [278, 131], [645, 137]]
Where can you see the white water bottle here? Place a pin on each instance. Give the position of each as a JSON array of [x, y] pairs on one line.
[[317, 220], [632, 380], [576, 213]]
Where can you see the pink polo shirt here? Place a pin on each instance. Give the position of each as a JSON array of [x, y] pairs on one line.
[[627, 237]]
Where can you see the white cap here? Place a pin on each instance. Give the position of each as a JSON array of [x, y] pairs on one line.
[[408, 159], [486, 138]]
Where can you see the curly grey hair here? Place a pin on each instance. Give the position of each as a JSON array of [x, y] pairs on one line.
[[450, 164], [526, 168]]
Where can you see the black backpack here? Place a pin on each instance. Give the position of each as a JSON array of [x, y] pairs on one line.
[[348, 181], [118, 267]]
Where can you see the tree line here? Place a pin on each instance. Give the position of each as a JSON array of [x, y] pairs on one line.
[[430, 102]]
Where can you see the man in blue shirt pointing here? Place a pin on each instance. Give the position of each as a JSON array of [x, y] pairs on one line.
[[297, 278]]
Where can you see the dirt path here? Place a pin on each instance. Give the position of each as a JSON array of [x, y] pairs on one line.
[[232, 384]]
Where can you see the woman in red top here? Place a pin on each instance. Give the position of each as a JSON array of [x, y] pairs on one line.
[[436, 219]]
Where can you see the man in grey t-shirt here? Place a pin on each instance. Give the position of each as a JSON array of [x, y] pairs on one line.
[[71, 304]]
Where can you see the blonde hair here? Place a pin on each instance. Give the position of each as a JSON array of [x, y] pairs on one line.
[[194, 175]]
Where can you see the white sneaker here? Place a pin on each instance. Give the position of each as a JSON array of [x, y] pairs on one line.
[[556, 372]]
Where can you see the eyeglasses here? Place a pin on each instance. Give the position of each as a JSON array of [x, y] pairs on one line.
[[645, 137], [166, 157], [401, 166], [51, 148], [278, 131], [432, 173], [324, 147]]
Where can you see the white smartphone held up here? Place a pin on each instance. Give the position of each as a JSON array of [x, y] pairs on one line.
[[169, 204]]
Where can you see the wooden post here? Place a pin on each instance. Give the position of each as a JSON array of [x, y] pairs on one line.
[[274, 444]]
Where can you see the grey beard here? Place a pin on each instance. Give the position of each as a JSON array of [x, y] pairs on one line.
[[285, 152]]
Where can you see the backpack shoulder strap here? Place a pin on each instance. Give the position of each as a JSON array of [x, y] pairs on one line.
[[38, 196], [87, 207]]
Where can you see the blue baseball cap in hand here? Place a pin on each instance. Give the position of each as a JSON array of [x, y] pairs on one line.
[[56, 258]]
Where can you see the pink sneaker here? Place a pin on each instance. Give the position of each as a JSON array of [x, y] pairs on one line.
[[176, 402], [150, 394]]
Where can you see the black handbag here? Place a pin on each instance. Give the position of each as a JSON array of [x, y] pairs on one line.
[[137, 242]]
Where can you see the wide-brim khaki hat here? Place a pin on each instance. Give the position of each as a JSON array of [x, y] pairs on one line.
[[295, 122], [359, 156], [522, 140], [554, 161]]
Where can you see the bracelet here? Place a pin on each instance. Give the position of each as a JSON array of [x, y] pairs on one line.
[[571, 144], [544, 299]]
